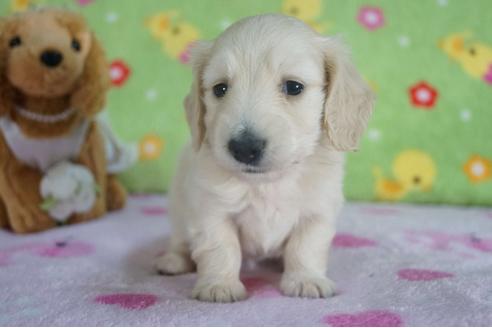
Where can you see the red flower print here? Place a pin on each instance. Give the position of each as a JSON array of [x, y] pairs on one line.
[[423, 95], [371, 18], [119, 72]]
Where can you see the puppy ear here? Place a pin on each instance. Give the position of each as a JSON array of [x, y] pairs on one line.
[[193, 103], [349, 102], [89, 94], [6, 89]]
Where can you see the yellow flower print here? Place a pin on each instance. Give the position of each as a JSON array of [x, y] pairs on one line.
[[478, 169], [373, 85], [307, 11], [175, 34], [19, 5], [150, 147]]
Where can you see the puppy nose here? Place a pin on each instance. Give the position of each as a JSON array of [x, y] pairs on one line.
[[51, 58], [247, 148]]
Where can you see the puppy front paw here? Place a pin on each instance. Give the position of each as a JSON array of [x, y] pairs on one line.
[[298, 285], [222, 292], [173, 263]]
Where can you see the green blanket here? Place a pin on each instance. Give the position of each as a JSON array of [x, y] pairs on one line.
[[429, 63]]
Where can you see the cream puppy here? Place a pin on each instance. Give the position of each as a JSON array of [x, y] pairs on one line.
[[272, 107]]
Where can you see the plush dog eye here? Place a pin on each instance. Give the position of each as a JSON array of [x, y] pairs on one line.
[[292, 88], [220, 90], [15, 42], [76, 45]]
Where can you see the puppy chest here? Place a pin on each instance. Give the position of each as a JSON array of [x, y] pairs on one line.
[[265, 225]]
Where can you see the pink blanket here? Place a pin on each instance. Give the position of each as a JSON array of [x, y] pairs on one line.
[[394, 265]]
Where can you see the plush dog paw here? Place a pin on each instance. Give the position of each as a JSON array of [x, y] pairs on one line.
[[222, 292], [21, 220], [174, 263], [116, 194], [4, 219], [298, 285], [98, 210]]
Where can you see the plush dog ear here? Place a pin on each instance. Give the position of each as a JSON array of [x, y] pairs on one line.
[[89, 94], [6, 89], [193, 103], [349, 101]]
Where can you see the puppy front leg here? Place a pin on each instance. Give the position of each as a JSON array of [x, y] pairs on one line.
[[177, 260], [217, 254], [305, 260]]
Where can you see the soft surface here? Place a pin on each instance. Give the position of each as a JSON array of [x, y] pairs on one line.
[[394, 265], [433, 87]]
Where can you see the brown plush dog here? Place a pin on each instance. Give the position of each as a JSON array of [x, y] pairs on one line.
[[53, 79]]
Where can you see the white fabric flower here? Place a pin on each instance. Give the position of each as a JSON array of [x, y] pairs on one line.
[[67, 188]]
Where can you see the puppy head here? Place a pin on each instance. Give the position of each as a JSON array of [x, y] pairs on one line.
[[269, 90], [45, 51]]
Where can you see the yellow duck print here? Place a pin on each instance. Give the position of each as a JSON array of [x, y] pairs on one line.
[[307, 11], [413, 170], [176, 35], [475, 57]]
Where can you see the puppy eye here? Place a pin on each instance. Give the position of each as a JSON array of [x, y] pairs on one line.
[[75, 45], [292, 88], [220, 90], [15, 42]]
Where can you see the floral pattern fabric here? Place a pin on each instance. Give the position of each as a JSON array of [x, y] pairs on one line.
[[422, 266], [429, 63]]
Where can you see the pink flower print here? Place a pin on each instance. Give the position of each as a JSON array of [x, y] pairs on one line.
[[184, 56], [4, 259], [7, 254], [128, 301], [479, 244], [153, 210], [61, 249], [374, 318], [422, 274], [453, 243], [488, 75], [260, 287], [345, 240], [371, 18]]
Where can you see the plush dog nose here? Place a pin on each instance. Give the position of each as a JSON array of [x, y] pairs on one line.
[[247, 148], [51, 58]]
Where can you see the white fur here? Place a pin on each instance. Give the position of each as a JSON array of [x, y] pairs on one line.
[[221, 213]]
